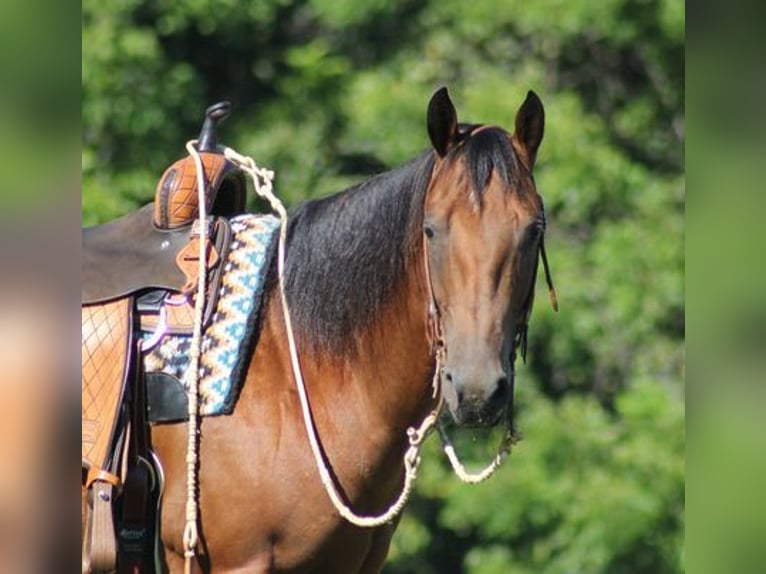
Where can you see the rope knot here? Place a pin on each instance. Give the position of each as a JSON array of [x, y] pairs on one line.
[[412, 459], [191, 537]]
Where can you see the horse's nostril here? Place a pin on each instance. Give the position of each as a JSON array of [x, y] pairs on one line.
[[501, 383], [448, 376]]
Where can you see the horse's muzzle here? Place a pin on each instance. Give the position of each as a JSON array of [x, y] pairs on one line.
[[477, 407]]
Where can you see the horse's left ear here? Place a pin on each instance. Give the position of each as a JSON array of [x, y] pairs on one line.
[[530, 123], [442, 122]]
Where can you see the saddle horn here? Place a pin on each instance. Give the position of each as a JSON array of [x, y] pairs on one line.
[[213, 116], [176, 199]]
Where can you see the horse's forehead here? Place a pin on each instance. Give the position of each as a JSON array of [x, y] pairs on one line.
[[519, 196], [453, 193]]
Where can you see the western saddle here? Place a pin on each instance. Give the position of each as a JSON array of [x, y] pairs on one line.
[[130, 267]]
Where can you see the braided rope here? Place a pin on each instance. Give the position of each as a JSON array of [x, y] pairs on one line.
[[191, 534], [474, 477]]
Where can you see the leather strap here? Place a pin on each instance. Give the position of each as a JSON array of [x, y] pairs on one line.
[[100, 551], [179, 309], [188, 261], [133, 533], [99, 474]]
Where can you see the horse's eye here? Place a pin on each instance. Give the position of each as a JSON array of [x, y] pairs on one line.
[[428, 231], [535, 231]]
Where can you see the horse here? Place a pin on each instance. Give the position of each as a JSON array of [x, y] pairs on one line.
[[453, 234]]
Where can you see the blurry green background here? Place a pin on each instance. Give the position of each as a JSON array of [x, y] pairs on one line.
[[328, 92]]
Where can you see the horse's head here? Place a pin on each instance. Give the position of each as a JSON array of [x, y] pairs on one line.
[[483, 222]]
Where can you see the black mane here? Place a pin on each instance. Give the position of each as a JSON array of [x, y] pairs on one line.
[[347, 253]]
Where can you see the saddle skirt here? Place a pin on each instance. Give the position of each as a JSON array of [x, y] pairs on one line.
[[105, 356], [227, 341]]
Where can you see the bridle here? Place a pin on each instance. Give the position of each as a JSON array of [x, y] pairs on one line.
[[435, 328], [435, 331]]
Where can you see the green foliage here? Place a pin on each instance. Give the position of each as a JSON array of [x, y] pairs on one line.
[[586, 491], [328, 92]]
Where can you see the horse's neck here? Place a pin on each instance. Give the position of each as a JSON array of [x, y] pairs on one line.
[[384, 386], [395, 364]]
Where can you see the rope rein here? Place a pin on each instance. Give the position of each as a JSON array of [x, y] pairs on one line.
[[263, 184]]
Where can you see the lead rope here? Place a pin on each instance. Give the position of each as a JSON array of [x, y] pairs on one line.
[[263, 184], [191, 535], [262, 181]]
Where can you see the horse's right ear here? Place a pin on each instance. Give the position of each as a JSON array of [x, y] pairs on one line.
[[442, 122], [530, 124]]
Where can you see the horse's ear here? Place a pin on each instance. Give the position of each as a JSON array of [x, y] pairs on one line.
[[530, 123], [442, 122]]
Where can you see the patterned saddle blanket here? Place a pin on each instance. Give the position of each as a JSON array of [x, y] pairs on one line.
[[227, 342]]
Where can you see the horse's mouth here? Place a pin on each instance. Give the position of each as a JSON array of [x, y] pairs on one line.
[[479, 418]]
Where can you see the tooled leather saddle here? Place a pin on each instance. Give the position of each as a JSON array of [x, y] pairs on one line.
[[130, 266]]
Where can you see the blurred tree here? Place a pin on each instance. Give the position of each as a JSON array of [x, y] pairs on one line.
[[327, 92]]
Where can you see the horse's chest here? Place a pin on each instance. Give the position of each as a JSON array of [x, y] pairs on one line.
[[263, 513]]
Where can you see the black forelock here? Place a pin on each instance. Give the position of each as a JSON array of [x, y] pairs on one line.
[[347, 254], [487, 149]]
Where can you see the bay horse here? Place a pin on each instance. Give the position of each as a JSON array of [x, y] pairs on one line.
[[459, 228]]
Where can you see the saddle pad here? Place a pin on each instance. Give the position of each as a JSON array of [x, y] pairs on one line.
[[227, 341]]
